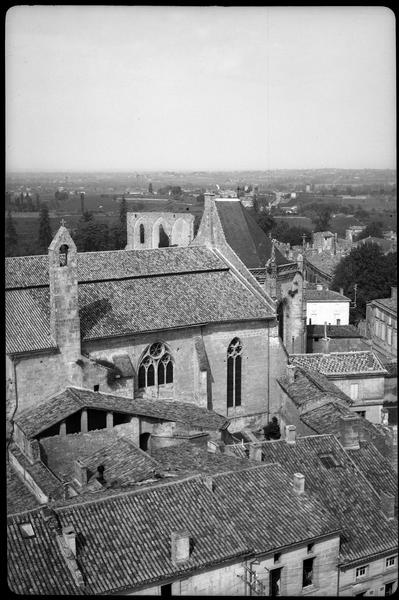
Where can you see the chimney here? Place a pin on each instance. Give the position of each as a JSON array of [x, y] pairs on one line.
[[299, 483], [349, 433], [388, 505], [80, 473], [255, 452], [209, 482], [69, 536], [180, 546], [325, 340], [290, 434], [341, 291], [394, 293], [291, 369], [319, 287]]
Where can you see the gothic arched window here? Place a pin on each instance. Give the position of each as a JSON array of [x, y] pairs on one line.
[[142, 234], [234, 360], [156, 367], [63, 254]]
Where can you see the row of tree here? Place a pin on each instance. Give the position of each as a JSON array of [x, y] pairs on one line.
[[89, 235]]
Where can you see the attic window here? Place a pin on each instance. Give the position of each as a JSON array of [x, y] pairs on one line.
[[27, 530], [328, 460]]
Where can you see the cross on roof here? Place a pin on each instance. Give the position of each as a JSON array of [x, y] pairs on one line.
[[63, 222]]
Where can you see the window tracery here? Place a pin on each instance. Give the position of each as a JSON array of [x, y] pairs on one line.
[[234, 360], [156, 366]]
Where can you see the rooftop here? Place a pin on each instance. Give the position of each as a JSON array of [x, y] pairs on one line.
[[311, 387], [217, 522], [19, 498], [343, 490], [243, 234], [35, 420], [130, 292], [333, 331], [324, 296], [340, 363]]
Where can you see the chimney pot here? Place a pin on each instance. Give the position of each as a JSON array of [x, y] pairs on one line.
[[69, 535], [299, 483], [291, 369], [255, 452], [349, 431], [209, 482], [180, 543], [388, 505], [290, 434], [80, 472]]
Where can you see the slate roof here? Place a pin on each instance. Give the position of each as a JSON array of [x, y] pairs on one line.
[[32, 271], [342, 490], [324, 296], [124, 541], [340, 363], [135, 528], [244, 235], [35, 420], [19, 498], [311, 386]]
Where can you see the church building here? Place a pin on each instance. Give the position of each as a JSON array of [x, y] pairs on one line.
[[189, 322]]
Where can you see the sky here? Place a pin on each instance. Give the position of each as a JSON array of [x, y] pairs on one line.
[[116, 88]]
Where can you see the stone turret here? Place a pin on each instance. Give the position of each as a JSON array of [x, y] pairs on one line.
[[271, 281], [64, 306]]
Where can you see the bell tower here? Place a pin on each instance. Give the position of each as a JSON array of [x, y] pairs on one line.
[[64, 306]]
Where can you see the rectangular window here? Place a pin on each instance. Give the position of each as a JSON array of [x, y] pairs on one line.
[[275, 582], [389, 320], [354, 393], [389, 336], [311, 546], [361, 413], [391, 561], [96, 388], [277, 557], [307, 573], [382, 336], [361, 571], [394, 339], [166, 590], [378, 313]]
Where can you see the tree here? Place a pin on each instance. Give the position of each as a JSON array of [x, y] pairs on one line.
[[91, 236], [45, 233], [123, 212], [373, 229], [150, 189], [265, 222], [11, 237], [372, 271]]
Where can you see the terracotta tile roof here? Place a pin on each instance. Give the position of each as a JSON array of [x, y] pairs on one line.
[[377, 469], [135, 529], [140, 303], [342, 490], [385, 245], [124, 541], [124, 463], [28, 320], [31, 271], [324, 296], [187, 458], [339, 363], [267, 513], [19, 498], [325, 418], [311, 387], [48, 483], [244, 235], [39, 418], [388, 303], [324, 262], [165, 302]]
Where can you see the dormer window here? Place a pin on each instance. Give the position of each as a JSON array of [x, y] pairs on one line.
[[63, 253]]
